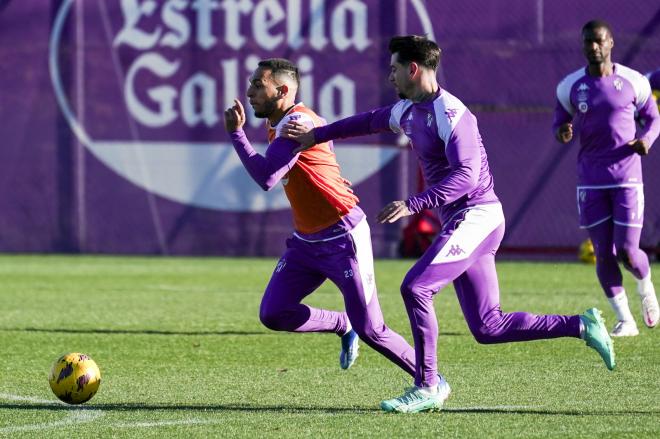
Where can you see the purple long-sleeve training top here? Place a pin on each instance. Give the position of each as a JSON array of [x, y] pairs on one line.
[[603, 111], [445, 136], [266, 170]]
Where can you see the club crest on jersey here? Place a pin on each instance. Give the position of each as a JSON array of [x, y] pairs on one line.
[[583, 107], [429, 120], [618, 84]]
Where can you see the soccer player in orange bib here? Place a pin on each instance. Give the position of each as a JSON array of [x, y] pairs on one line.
[[331, 239]]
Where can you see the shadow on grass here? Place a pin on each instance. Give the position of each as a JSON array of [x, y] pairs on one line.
[[163, 332], [300, 409], [539, 411], [134, 331], [188, 407]]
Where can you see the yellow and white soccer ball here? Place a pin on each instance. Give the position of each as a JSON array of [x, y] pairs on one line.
[[586, 252], [74, 378]]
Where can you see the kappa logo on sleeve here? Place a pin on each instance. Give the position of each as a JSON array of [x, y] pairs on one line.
[[451, 114]]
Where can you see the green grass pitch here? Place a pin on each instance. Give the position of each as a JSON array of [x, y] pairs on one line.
[[183, 354]]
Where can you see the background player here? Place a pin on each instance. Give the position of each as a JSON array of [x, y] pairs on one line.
[[654, 80], [444, 135], [331, 239], [599, 103]]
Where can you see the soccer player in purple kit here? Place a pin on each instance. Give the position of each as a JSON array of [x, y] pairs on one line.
[[654, 80], [446, 139], [601, 103], [331, 238]]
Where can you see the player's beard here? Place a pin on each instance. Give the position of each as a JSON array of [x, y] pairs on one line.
[[268, 109], [400, 92]]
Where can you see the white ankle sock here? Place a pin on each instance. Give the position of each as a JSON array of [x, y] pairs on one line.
[[582, 329], [620, 306], [644, 285], [348, 328], [430, 390]]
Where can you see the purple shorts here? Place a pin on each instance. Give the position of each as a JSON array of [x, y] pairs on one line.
[[623, 204]]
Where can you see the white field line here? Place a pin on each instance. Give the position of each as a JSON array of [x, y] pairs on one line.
[[80, 416], [152, 424], [10, 397], [83, 416], [75, 416]]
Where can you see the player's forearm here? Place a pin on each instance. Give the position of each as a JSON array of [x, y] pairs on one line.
[[463, 152], [362, 124], [651, 126], [255, 164], [461, 181], [561, 118]]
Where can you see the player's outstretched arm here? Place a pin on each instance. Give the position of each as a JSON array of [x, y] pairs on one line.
[[362, 124], [301, 133]]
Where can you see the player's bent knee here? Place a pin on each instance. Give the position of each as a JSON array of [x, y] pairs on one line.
[[411, 290], [406, 289], [369, 334], [484, 335], [273, 320], [487, 330]]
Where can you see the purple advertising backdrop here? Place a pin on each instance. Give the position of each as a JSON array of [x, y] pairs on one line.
[[112, 138]]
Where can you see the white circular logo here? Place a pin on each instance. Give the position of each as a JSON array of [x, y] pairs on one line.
[[206, 174]]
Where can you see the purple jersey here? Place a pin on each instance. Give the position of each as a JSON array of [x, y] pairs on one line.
[[654, 80], [445, 136], [603, 112]]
